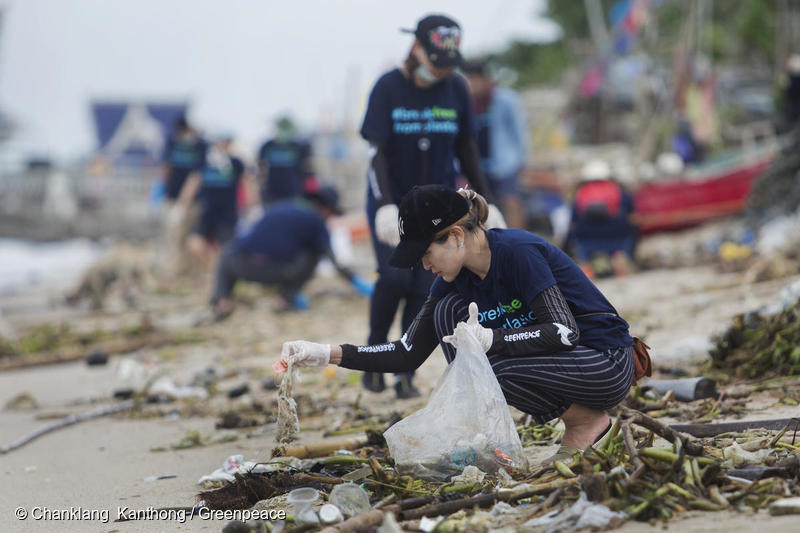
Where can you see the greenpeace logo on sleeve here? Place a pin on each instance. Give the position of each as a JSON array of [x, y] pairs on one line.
[[377, 348], [523, 336]]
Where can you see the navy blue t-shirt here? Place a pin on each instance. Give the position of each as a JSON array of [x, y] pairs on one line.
[[218, 190], [183, 156], [482, 139], [419, 129], [287, 228], [586, 226], [522, 266], [285, 175]]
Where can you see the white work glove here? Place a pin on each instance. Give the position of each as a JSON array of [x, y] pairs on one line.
[[386, 228], [304, 353], [484, 335], [495, 218], [175, 215]]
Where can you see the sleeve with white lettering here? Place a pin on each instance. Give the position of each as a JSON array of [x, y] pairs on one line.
[[555, 330], [378, 175], [404, 355]]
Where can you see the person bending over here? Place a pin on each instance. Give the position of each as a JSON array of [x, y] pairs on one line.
[[282, 249], [556, 345]]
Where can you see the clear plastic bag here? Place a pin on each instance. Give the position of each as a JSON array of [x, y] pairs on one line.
[[466, 422]]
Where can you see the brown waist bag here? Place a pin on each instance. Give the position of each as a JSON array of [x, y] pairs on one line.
[[642, 365]]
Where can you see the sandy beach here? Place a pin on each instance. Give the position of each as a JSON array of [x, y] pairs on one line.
[[102, 465]]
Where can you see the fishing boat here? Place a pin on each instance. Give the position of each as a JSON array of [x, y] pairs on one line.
[[706, 192]]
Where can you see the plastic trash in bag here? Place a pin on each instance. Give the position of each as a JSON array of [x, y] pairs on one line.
[[466, 422]]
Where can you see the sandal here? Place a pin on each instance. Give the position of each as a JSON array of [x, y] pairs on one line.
[[600, 441], [567, 453]]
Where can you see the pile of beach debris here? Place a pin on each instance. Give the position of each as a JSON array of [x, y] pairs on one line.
[[759, 345], [777, 191], [643, 470]]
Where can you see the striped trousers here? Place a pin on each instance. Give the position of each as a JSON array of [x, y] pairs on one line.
[[544, 386]]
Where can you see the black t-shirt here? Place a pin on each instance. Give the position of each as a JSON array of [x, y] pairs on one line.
[[419, 129], [183, 156], [218, 192], [285, 161]]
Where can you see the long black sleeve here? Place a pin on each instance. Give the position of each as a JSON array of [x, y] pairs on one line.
[[379, 176], [555, 331], [404, 355], [470, 161]]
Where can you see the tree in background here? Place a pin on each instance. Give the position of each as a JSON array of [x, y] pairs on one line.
[[741, 32]]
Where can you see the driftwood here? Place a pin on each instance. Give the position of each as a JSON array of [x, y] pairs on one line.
[[68, 421], [77, 352], [405, 509], [691, 446], [711, 430], [630, 445], [486, 500]]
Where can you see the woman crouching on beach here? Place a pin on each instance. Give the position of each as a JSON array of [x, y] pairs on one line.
[[556, 345]]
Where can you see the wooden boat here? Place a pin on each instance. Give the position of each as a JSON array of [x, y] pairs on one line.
[[711, 191]]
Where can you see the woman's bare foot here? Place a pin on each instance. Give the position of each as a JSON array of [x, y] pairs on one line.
[[583, 426]]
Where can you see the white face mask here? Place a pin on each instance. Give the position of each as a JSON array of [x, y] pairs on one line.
[[426, 75]]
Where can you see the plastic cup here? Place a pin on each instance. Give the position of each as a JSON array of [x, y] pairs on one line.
[[301, 500], [350, 498]]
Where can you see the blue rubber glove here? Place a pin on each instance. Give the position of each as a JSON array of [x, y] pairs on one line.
[[363, 287], [156, 196], [301, 302]]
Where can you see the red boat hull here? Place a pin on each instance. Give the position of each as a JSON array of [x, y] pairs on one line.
[[683, 203]]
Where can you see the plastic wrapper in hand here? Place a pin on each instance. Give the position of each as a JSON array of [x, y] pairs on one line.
[[466, 421]]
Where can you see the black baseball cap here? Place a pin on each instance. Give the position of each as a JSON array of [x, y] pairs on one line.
[[327, 196], [424, 212], [440, 36]]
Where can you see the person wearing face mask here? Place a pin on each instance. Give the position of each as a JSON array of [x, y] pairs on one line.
[[284, 164], [420, 126], [556, 345], [216, 187], [184, 155]]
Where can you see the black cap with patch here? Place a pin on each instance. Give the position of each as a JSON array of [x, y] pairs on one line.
[[326, 196], [425, 211], [440, 36]]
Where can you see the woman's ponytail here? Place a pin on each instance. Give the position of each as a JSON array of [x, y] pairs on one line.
[[478, 212]]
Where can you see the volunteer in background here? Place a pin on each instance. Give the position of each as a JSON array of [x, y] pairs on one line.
[[602, 220], [419, 123], [184, 154], [284, 164], [282, 249], [217, 188], [502, 139]]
